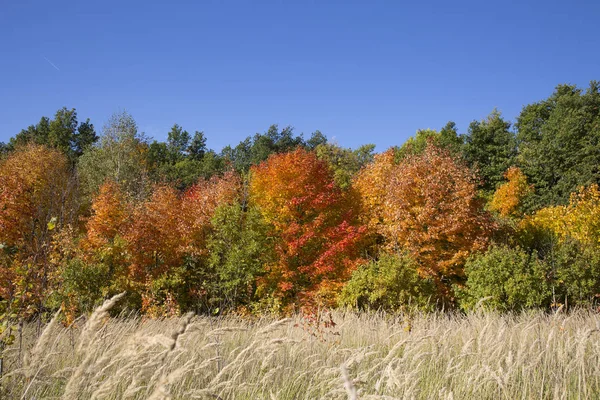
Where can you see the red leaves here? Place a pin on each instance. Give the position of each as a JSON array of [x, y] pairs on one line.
[[318, 233]]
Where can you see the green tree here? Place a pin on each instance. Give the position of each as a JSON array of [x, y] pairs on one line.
[[239, 248], [558, 141], [254, 150], [63, 132], [197, 147], [316, 139], [447, 138], [345, 163], [576, 271], [4, 149], [177, 143], [121, 156], [84, 138], [63, 129], [490, 147]]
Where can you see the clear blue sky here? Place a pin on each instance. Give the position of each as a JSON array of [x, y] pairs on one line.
[[361, 72]]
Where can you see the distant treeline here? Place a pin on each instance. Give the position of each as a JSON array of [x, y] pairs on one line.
[[503, 215]]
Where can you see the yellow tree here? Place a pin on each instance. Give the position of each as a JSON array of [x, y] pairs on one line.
[[580, 219]]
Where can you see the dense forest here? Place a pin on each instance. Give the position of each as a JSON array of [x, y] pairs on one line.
[[503, 216]]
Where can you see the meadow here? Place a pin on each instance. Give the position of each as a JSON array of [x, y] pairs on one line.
[[532, 355]]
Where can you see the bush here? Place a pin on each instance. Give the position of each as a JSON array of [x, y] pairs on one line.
[[392, 283], [508, 278], [576, 270]]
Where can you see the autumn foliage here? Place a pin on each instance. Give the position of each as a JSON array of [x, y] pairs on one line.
[[508, 198], [36, 200], [283, 236], [426, 204], [317, 229], [579, 220]]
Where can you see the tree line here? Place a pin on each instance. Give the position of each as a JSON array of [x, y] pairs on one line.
[[503, 216]]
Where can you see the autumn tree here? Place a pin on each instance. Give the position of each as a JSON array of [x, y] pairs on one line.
[[153, 239], [96, 265], [37, 199], [371, 184], [199, 204], [508, 198], [316, 226], [167, 239], [579, 220], [431, 209]]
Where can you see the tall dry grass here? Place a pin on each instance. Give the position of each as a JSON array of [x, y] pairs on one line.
[[366, 356]]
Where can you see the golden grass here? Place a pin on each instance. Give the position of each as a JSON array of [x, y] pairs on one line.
[[366, 356]]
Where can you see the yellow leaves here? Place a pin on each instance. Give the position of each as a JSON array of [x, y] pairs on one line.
[[579, 220]]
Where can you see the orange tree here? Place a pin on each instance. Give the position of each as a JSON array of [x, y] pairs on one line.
[[167, 242], [371, 184], [427, 205], [508, 198], [155, 248], [318, 235], [36, 201]]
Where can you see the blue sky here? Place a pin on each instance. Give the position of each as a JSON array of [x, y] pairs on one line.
[[361, 72]]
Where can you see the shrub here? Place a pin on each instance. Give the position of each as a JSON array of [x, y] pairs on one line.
[[508, 278], [391, 283], [576, 269]]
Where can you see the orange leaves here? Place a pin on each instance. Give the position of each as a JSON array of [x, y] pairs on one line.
[[110, 213], [35, 203], [155, 235], [153, 238], [198, 205], [428, 205], [372, 183], [509, 196], [317, 228], [33, 183], [292, 188]]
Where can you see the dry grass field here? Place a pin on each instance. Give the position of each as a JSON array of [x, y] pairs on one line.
[[365, 356]]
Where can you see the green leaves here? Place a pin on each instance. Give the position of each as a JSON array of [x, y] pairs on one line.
[[558, 140], [511, 279]]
